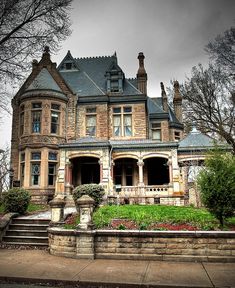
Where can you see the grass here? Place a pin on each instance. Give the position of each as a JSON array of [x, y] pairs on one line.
[[150, 214], [32, 208]]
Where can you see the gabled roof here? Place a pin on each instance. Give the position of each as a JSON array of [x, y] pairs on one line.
[[90, 79], [44, 81]]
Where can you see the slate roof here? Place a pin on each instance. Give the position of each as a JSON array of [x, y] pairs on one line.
[[155, 106], [87, 142], [196, 140], [89, 79], [44, 81]]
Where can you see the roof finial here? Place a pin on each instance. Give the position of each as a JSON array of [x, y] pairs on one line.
[[46, 49], [46, 54]]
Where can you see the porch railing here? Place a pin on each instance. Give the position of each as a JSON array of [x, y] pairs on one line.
[[145, 190]]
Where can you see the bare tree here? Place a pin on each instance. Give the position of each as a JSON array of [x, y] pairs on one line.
[[222, 51], [208, 101], [26, 26], [4, 170]]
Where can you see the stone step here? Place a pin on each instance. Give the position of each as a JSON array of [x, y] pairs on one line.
[[34, 233], [28, 227], [30, 221], [25, 239]]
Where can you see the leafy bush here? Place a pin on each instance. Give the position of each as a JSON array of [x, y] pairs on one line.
[[217, 185], [16, 200], [95, 191]]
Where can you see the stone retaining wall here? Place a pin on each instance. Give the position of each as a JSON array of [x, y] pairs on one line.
[[143, 245]]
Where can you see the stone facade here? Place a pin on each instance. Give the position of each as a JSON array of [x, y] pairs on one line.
[[84, 122]]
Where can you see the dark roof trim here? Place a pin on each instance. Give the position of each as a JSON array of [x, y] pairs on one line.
[[158, 116], [111, 99], [176, 125], [83, 146], [92, 99], [129, 98]]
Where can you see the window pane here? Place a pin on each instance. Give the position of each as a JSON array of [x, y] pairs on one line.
[[156, 134], [22, 167], [36, 156], [54, 122], [52, 156], [156, 125], [51, 173], [36, 121], [117, 125], [127, 120], [36, 105], [114, 86], [116, 110], [55, 106], [35, 174], [91, 120], [127, 109], [22, 157], [90, 125], [127, 125], [91, 110], [21, 123]]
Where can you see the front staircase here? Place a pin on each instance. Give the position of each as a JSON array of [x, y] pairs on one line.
[[27, 232]]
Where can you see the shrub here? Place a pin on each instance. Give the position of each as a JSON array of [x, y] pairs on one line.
[[16, 200], [217, 185], [95, 191]]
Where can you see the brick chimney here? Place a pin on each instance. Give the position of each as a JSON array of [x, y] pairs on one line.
[[177, 101], [142, 75], [164, 98]]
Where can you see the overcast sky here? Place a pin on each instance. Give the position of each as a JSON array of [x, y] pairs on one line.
[[172, 35]]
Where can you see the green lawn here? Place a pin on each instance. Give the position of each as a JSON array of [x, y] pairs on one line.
[[145, 216], [32, 208]]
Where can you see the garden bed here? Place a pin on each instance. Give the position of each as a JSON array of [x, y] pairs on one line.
[[153, 217]]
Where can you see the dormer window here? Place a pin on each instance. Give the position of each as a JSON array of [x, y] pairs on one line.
[[114, 87], [115, 78], [68, 66]]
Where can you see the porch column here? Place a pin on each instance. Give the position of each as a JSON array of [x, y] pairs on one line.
[[141, 192], [101, 171], [68, 177], [175, 171], [169, 163], [140, 164]]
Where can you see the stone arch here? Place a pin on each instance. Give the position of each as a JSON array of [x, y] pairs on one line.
[[85, 170]]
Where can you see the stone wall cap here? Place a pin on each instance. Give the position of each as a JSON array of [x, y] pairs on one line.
[[57, 202], [85, 199]]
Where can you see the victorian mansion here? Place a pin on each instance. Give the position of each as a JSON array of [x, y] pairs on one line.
[[85, 122]]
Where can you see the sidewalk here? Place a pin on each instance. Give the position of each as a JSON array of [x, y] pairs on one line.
[[38, 266]]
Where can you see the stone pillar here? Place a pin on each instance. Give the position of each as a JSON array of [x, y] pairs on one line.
[[141, 189], [68, 178], [175, 171], [140, 164], [101, 171], [169, 163], [85, 206], [57, 211], [85, 239]]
